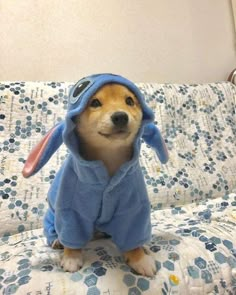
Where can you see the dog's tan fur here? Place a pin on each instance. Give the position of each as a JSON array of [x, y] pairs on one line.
[[101, 140], [117, 148]]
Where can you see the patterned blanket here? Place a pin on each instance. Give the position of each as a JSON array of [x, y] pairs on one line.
[[193, 196]]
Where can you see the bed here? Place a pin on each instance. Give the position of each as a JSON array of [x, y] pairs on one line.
[[193, 196]]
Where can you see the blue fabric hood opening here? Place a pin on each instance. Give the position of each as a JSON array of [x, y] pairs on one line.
[[78, 104]]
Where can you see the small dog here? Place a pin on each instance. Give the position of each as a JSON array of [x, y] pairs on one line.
[[107, 129], [100, 186]]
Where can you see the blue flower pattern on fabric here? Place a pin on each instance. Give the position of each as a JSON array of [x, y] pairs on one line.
[[193, 196]]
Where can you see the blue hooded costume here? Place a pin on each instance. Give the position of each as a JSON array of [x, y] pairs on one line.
[[83, 197]]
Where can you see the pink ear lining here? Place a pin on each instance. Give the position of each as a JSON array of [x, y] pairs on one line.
[[36, 154]]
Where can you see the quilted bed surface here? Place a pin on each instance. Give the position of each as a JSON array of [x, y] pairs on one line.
[[193, 196]]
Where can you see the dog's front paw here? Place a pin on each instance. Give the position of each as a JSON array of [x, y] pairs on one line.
[[145, 266], [72, 260], [141, 262]]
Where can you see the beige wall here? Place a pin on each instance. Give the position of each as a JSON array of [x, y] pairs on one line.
[[151, 40]]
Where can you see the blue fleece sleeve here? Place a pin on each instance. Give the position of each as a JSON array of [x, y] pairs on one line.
[[131, 230], [152, 137], [72, 227], [74, 231]]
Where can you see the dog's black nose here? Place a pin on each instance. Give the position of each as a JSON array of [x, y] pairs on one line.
[[120, 119]]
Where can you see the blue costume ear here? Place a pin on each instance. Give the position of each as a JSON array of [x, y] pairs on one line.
[[152, 137], [43, 151]]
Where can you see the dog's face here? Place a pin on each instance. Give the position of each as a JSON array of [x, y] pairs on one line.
[[113, 116]]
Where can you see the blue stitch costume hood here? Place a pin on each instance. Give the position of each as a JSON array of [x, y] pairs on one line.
[[83, 196]]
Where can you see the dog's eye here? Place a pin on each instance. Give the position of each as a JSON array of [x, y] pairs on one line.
[[129, 101], [95, 103]]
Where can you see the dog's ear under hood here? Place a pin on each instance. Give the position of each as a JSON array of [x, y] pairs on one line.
[[79, 96]]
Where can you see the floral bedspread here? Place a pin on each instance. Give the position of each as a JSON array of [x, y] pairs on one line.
[[193, 196]]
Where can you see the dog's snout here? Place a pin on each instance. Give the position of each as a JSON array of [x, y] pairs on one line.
[[120, 119]]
